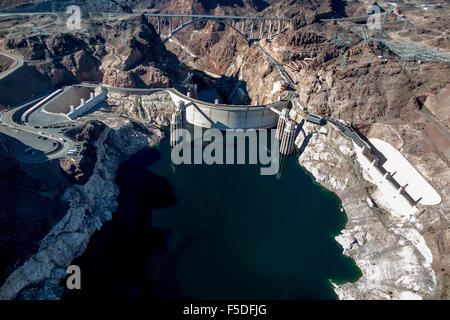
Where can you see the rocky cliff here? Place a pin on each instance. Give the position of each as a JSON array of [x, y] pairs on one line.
[[124, 52], [90, 205], [30, 205], [401, 100], [156, 108], [393, 255], [5, 63]]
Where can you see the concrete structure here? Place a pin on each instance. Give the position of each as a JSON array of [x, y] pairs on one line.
[[176, 126], [218, 116], [94, 99], [315, 119], [415, 187], [68, 103], [71, 95], [288, 138], [181, 108], [17, 64], [351, 133], [27, 113], [284, 116], [403, 192], [230, 21], [223, 117]]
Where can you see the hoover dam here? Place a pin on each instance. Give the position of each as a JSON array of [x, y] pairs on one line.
[[96, 96]]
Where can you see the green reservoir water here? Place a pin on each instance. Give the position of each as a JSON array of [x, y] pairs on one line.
[[216, 232]]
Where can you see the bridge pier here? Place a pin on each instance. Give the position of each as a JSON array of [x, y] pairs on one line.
[[270, 29], [279, 27], [288, 138], [261, 30], [159, 26], [251, 30], [243, 27], [170, 25], [281, 123]]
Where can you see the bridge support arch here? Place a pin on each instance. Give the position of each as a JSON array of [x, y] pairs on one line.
[[221, 21], [230, 21]]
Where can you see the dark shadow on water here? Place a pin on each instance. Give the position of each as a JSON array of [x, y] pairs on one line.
[[215, 232], [305, 143], [115, 262]]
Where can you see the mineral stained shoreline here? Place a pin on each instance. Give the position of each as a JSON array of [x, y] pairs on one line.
[[389, 252], [91, 204]]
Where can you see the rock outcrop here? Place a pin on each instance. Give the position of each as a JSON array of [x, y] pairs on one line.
[[393, 255], [5, 63], [90, 205], [124, 52], [156, 108], [79, 171]]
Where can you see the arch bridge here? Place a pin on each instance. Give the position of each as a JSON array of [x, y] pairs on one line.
[[250, 28]]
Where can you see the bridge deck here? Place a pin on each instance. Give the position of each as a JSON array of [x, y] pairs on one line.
[[170, 15]]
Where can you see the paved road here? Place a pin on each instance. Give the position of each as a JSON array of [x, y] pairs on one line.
[[346, 130], [18, 137], [277, 65], [162, 15], [17, 64], [393, 6]]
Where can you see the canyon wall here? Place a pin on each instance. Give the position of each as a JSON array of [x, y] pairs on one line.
[[90, 205]]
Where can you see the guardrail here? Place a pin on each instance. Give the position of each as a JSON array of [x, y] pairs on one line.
[[27, 113]]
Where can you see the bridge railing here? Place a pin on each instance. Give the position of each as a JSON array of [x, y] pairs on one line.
[[276, 104], [231, 21], [196, 16]]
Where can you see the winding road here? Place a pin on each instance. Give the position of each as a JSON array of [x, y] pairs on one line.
[[48, 143], [18, 63]]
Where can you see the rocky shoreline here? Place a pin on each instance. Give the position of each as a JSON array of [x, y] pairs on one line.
[[90, 206], [391, 254]]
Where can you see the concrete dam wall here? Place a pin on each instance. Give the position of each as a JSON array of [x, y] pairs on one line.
[[222, 116], [199, 113]]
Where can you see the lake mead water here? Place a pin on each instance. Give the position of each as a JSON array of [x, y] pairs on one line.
[[216, 232]]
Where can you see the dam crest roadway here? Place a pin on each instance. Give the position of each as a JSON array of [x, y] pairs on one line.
[[193, 111], [200, 113]]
